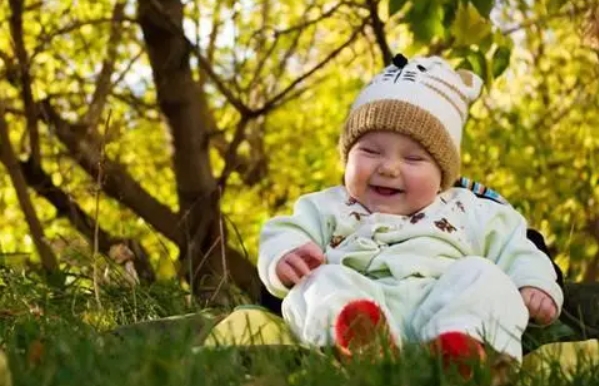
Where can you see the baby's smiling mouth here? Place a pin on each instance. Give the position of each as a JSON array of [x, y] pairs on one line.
[[385, 191]]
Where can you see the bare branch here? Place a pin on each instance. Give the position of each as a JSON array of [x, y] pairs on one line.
[[132, 61], [190, 121], [273, 102], [378, 26], [140, 106], [16, 29], [47, 37], [261, 62], [9, 158], [288, 54], [230, 157], [308, 23], [211, 49], [66, 207], [84, 147], [103, 83], [166, 21], [236, 65], [216, 24], [161, 19]]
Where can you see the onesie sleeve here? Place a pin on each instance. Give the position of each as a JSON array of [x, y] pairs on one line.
[[284, 233], [505, 242]]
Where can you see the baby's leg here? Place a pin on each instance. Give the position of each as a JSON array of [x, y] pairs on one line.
[[317, 306], [477, 298]]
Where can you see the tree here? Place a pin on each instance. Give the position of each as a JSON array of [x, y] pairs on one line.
[[144, 123]]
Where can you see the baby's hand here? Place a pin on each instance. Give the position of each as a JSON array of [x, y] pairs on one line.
[[298, 263], [541, 307]]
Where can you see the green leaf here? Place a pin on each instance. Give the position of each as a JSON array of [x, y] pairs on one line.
[[465, 64], [450, 9], [555, 5], [395, 6], [426, 20], [500, 60], [502, 40], [483, 7], [479, 65], [469, 27]]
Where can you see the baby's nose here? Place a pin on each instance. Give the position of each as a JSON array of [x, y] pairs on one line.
[[390, 167]]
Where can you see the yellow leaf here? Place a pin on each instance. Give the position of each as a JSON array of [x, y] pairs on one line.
[[469, 27], [166, 268]]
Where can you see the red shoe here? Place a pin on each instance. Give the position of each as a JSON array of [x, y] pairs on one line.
[[358, 327], [459, 349]]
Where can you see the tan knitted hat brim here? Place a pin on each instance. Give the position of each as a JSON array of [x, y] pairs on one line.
[[408, 119]]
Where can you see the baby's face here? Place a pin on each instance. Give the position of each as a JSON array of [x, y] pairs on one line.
[[390, 173]]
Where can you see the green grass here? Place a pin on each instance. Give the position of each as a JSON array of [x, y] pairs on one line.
[[63, 338], [56, 352]]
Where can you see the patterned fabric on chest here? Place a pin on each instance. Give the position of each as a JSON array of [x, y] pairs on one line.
[[445, 220]]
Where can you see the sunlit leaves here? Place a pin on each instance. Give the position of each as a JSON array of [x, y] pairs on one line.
[[426, 20], [469, 27], [467, 21], [396, 5], [542, 119], [534, 138], [500, 60], [483, 7], [488, 66]]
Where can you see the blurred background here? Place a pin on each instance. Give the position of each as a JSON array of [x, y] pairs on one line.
[[145, 142]]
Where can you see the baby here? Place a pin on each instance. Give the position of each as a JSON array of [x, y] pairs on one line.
[[397, 246]]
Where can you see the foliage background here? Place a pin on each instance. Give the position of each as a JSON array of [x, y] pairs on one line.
[[532, 136], [143, 143]]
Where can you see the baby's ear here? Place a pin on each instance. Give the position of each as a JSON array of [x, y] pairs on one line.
[[472, 82]]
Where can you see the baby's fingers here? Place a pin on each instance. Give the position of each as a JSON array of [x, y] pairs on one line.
[[546, 311], [312, 254], [287, 274], [300, 266]]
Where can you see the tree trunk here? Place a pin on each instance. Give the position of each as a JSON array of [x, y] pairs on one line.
[[204, 257]]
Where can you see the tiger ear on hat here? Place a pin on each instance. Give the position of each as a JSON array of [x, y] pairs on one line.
[[472, 82]]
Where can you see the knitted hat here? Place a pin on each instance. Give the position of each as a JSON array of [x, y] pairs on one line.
[[424, 99]]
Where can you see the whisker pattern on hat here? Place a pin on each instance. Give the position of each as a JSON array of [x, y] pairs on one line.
[[447, 98], [452, 87]]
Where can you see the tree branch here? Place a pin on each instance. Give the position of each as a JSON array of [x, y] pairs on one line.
[[378, 26], [307, 23], [103, 83], [190, 122], [285, 59], [243, 167], [42, 183], [8, 157], [272, 103], [48, 37], [230, 157], [16, 28], [84, 147], [160, 19]]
